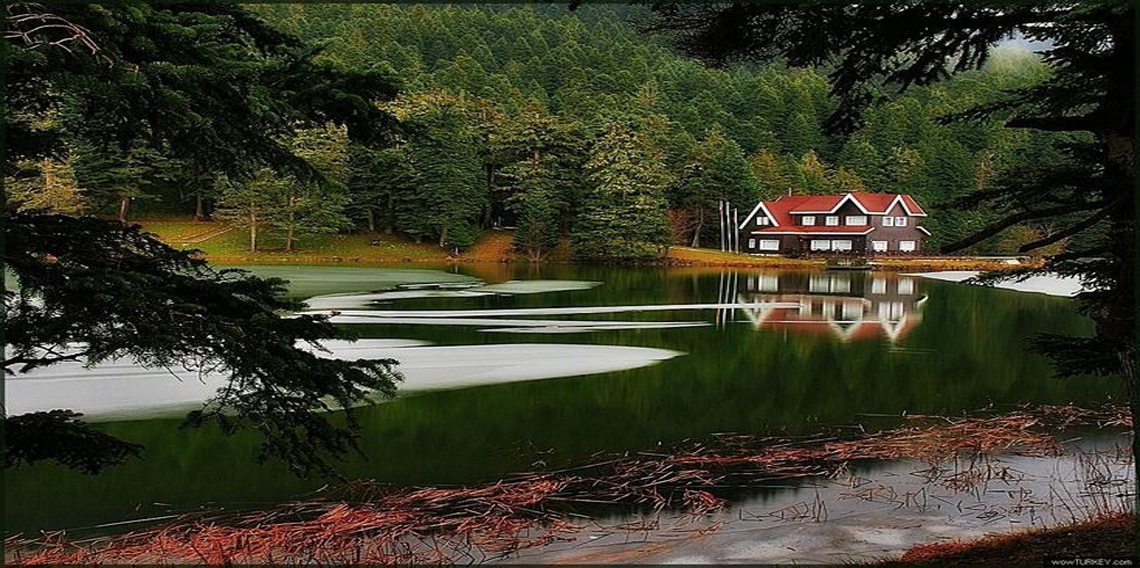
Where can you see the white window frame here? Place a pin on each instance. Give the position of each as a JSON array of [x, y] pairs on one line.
[[820, 244], [855, 220], [908, 246], [888, 221], [751, 243], [772, 245], [761, 220], [900, 221], [880, 246], [831, 220], [842, 245], [808, 220]]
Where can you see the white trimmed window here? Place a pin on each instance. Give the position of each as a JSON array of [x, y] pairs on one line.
[[888, 221], [878, 285], [831, 221], [879, 246], [856, 220], [751, 243], [769, 244], [906, 246], [820, 244], [808, 220], [761, 220], [900, 221], [843, 245]]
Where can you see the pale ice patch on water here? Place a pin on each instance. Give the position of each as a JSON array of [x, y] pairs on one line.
[[538, 286], [378, 316], [343, 301], [447, 290], [1050, 284], [120, 389], [498, 324]]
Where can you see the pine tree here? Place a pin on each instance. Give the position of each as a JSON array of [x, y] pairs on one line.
[[46, 186], [254, 203], [714, 170], [625, 212], [770, 173]]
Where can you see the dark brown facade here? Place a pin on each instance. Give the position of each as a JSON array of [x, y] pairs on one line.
[[850, 224]]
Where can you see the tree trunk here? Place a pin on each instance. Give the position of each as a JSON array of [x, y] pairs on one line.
[[371, 219], [700, 225], [199, 207], [124, 209], [252, 232], [443, 236]]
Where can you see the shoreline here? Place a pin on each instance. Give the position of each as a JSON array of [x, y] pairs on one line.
[[221, 245], [692, 485]]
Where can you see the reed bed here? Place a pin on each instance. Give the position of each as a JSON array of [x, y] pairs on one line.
[[365, 522]]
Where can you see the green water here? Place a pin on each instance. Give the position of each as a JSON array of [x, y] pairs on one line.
[[944, 347]]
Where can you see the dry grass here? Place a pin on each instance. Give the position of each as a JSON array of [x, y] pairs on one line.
[[1110, 536]]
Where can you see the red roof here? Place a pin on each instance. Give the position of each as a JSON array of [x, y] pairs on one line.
[[783, 208]]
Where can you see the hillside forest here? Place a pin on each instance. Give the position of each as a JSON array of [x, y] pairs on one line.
[[571, 127]]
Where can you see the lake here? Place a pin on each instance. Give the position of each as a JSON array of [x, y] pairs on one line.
[[541, 365]]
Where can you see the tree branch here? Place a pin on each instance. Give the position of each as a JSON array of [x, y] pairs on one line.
[[1068, 232], [999, 226]]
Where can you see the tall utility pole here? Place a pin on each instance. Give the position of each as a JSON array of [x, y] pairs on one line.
[[720, 216]]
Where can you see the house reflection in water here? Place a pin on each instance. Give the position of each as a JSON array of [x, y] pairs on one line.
[[853, 306]]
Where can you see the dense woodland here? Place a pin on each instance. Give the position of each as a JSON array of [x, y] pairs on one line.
[[571, 126]]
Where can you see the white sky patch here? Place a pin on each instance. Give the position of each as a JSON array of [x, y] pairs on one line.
[[1050, 284], [123, 390]]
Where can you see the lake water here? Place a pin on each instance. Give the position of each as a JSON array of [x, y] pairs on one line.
[[545, 365]]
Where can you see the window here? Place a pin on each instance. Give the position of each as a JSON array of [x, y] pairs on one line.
[[900, 221], [751, 243], [878, 285], [820, 244], [856, 220], [906, 246], [769, 283], [761, 220], [906, 286], [888, 221], [808, 220], [879, 246], [769, 244], [844, 245], [832, 221]]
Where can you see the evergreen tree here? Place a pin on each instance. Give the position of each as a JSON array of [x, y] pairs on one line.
[[812, 175], [714, 170], [770, 174], [255, 203], [46, 186], [624, 216]]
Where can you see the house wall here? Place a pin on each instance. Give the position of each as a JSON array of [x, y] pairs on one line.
[[894, 235]]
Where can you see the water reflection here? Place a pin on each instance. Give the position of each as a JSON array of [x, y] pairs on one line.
[[850, 306]]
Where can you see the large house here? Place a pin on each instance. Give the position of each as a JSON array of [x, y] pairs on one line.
[[851, 223]]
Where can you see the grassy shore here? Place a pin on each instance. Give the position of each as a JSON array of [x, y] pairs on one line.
[[221, 243], [1112, 536]]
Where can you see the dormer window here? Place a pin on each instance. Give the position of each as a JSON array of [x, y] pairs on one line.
[[888, 221], [856, 220], [761, 221], [900, 221], [808, 220], [832, 221]]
